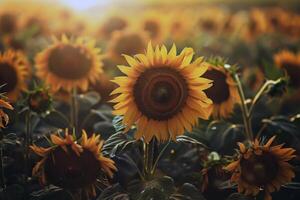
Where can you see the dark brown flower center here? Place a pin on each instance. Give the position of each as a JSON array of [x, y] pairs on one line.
[[160, 93], [293, 70], [69, 62], [8, 76], [274, 20], [259, 170], [152, 27], [67, 170], [219, 92], [130, 44], [8, 23], [208, 25], [113, 24]]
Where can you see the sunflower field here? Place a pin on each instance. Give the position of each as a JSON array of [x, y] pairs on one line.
[[149, 100]]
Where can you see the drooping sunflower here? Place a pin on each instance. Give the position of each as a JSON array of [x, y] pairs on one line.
[[126, 42], [72, 165], [14, 70], [223, 93], [262, 167], [162, 92], [68, 64], [290, 62], [3, 116]]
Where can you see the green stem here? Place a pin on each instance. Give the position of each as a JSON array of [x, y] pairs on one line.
[[146, 154], [2, 178], [259, 95], [27, 142], [159, 156], [148, 158], [74, 110], [245, 112]]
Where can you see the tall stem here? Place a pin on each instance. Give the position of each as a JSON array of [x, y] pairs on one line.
[[27, 142], [74, 110], [259, 94], [2, 178], [158, 157], [245, 111], [148, 158]]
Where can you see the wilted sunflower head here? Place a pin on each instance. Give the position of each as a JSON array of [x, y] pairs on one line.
[[72, 165], [14, 70], [126, 42], [8, 23], [68, 64], [162, 93], [112, 24], [290, 62], [3, 116], [223, 93], [262, 167]]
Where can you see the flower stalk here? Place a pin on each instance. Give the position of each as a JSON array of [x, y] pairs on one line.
[[2, 178], [27, 142], [74, 110]]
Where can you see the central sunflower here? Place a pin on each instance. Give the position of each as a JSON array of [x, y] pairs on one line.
[[68, 64], [162, 93], [14, 70]]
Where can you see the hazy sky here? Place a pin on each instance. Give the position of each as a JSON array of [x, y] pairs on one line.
[[84, 4]]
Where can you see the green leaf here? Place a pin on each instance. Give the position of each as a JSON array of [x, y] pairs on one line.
[[117, 123], [116, 143], [187, 139], [189, 191], [56, 119]]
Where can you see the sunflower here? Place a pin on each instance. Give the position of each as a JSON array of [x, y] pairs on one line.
[[14, 70], [211, 20], [3, 116], [180, 28], [8, 23], [112, 24], [69, 64], [254, 77], [262, 167], [257, 23], [277, 19], [154, 26], [73, 166], [223, 93], [162, 93], [126, 42], [291, 63]]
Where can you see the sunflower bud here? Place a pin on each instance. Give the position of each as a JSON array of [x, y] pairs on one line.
[[39, 100], [278, 88]]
